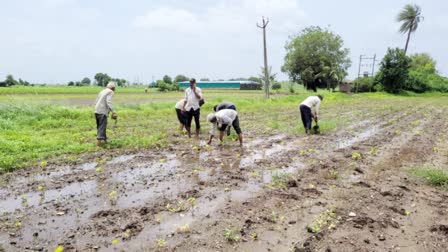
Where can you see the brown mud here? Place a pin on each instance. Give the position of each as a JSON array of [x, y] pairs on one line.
[[344, 190]]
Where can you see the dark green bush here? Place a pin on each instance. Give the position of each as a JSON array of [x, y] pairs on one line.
[[276, 86]]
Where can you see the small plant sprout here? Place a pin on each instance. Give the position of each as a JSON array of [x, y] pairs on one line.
[[162, 160], [254, 174], [43, 164], [333, 174], [113, 197], [114, 241], [356, 155], [325, 219], [254, 236], [60, 248], [18, 224], [407, 212], [183, 229], [24, 199], [436, 149], [192, 201], [373, 150], [398, 132], [230, 235], [40, 188], [226, 189], [274, 217], [99, 169], [160, 243]]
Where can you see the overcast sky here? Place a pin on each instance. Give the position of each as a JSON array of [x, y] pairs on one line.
[[56, 41]]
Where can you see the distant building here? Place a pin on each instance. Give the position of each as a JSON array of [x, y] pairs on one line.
[[244, 85], [152, 84]]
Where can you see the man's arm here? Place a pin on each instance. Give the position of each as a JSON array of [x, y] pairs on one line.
[[185, 102], [197, 93], [316, 116], [109, 102], [212, 133]]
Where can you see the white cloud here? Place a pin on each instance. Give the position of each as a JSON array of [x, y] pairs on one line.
[[171, 19], [226, 16]]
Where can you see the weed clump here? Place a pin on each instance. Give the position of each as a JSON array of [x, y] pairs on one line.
[[433, 175]]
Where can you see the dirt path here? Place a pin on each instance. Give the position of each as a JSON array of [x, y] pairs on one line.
[[348, 190]]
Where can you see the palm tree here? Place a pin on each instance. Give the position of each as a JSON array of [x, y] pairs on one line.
[[410, 16]]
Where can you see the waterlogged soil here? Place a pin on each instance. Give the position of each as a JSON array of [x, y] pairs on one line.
[[344, 190]]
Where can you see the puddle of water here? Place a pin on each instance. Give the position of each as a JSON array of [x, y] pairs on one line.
[[35, 198], [147, 172], [88, 166], [360, 137], [121, 159]]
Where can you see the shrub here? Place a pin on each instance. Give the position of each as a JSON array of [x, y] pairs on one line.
[[394, 70], [276, 86], [164, 87], [365, 84]]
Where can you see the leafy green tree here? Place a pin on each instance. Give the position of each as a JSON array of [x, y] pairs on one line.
[[410, 17], [330, 77], [180, 78], [312, 51], [70, 84], [86, 81], [10, 81], [394, 70], [102, 79], [423, 62], [167, 79], [164, 87]]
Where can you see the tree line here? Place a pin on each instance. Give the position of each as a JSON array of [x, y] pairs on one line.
[[316, 58]]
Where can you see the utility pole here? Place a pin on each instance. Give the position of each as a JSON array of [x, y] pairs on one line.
[[266, 74], [365, 58]]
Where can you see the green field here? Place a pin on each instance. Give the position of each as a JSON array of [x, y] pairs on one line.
[[44, 124]]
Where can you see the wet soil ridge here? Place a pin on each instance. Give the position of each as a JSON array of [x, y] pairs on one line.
[[346, 190]]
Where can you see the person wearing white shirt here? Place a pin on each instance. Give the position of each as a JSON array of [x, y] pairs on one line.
[[103, 105], [223, 119], [181, 116], [191, 107], [309, 109]]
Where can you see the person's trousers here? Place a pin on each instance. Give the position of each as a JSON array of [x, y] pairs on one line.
[[193, 113], [101, 125], [305, 113], [181, 116]]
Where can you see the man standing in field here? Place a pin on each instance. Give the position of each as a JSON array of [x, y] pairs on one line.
[[191, 106], [181, 116], [309, 109], [221, 120], [225, 105], [103, 105]]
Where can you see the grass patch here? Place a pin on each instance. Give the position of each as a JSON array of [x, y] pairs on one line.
[[41, 124], [435, 176]]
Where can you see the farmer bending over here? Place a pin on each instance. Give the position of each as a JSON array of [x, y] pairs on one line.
[[309, 109], [191, 106], [103, 105], [222, 119], [225, 105], [181, 116]]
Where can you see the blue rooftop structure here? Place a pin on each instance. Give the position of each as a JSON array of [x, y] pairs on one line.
[[219, 84]]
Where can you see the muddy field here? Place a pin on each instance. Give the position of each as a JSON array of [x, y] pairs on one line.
[[345, 190]]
